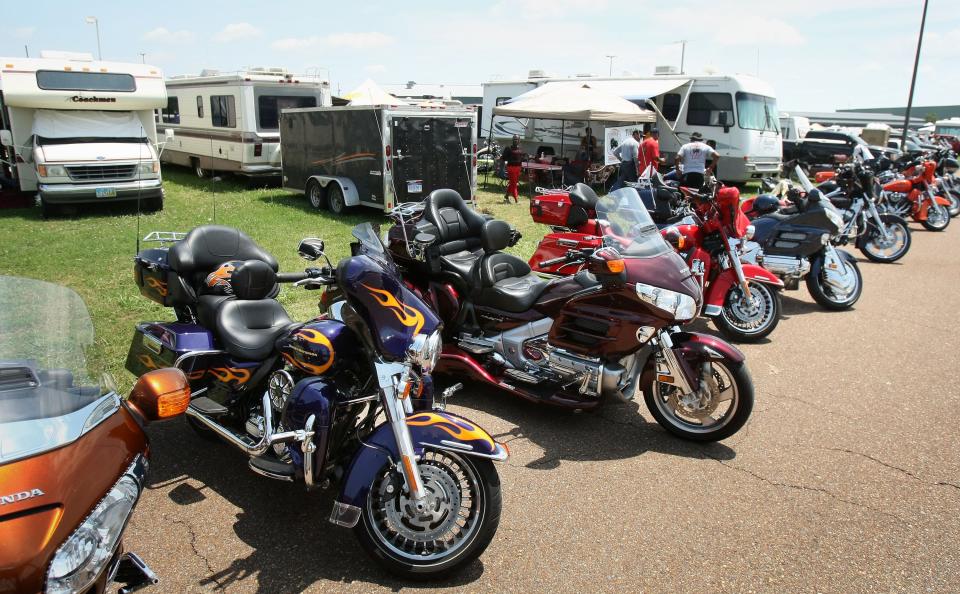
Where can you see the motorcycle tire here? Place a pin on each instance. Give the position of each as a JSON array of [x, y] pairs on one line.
[[735, 326], [823, 296], [657, 397], [896, 226], [383, 521], [940, 222], [954, 197]]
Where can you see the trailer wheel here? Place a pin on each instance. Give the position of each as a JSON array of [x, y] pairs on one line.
[[335, 200], [315, 194]]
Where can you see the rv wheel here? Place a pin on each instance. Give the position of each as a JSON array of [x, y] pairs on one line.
[[315, 195], [335, 199], [200, 171]]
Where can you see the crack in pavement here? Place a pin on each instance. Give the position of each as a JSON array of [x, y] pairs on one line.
[[885, 464], [196, 549], [814, 405]]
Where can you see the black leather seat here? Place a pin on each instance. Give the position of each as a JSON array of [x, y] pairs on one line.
[[459, 227], [583, 196], [500, 280], [250, 322]]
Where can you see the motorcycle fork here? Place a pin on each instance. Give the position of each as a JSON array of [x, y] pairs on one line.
[[681, 375], [737, 266], [875, 215], [396, 402]]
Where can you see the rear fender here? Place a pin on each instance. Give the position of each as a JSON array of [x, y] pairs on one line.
[[719, 288], [432, 429]]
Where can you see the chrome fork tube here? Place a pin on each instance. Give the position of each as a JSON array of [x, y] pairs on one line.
[[737, 267], [875, 215], [396, 414], [676, 369]]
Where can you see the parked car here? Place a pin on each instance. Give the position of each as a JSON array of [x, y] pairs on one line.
[[820, 147]]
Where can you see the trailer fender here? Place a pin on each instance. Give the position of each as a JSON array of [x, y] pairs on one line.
[[349, 189]]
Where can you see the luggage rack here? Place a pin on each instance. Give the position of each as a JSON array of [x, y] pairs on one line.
[[164, 237], [550, 191]]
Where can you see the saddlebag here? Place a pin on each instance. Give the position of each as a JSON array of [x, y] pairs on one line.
[[159, 345]]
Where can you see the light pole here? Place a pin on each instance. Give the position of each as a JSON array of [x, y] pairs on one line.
[[913, 81], [610, 73], [92, 20], [143, 57], [683, 52]]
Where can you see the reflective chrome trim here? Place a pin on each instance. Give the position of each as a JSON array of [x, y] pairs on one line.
[[499, 454], [23, 439], [132, 562], [277, 477], [308, 448], [712, 310], [455, 444], [192, 354], [344, 514]]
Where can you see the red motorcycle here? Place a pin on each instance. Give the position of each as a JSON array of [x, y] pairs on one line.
[[743, 299], [915, 195]]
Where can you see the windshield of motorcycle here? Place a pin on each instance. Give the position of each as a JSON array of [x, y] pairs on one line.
[[370, 245], [45, 331], [627, 225]]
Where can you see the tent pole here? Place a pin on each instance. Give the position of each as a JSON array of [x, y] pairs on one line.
[[562, 125]]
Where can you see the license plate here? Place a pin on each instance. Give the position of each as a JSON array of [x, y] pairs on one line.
[[106, 192], [415, 187]]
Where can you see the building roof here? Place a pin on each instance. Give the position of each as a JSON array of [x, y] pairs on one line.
[[941, 112], [854, 118]]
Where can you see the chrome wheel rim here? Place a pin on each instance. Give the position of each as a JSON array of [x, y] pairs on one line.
[[451, 516], [837, 296], [314, 196], [938, 216], [753, 315], [708, 409], [887, 248]]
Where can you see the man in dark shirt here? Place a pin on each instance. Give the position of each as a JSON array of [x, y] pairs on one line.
[[513, 157]]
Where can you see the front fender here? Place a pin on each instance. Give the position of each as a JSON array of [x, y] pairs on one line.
[[693, 346], [434, 430], [719, 288], [847, 256]]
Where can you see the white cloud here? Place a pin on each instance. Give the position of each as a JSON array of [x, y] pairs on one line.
[[237, 32], [24, 32], [164, 34], [375, 68], [360, 40]]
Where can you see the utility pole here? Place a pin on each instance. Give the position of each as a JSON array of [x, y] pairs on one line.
[[26, 50], [143, 57], [683, 52], [92, 20], [913, 81], [610, 73]]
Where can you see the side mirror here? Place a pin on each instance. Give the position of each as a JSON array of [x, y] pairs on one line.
[[6, 138], [607, 264], [311, 248], [160, 394], [168, 134], [723, 121]]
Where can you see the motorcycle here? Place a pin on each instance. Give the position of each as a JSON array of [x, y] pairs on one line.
[[915, 196], [73, 453], [947, 183], [797, 243], [302, 400], [610, 330]]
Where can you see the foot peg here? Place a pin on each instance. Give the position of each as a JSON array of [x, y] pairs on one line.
[[448, 393]]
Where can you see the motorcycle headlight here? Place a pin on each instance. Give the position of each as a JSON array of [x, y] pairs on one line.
[[148, 167], [425, 350], [679, 305], [86, 552]]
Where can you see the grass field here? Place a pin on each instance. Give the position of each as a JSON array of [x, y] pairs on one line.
[[92, 252]]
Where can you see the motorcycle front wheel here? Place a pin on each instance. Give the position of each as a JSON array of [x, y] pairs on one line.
[[954, 197], [716, 411], [749, 320], [938, 217], [457, 523], [831, 297], [876, 249]]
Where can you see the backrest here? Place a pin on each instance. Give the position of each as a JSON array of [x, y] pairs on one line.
[[495, 236], [583, 196], [206, 247], [458, 224], [253, 280]]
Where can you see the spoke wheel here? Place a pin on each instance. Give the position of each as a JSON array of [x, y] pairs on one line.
[[937, 218], [878, 249], [748, 319]]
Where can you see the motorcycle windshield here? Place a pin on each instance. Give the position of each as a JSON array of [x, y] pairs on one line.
[[627, 225], [370, 245], [48, 393]]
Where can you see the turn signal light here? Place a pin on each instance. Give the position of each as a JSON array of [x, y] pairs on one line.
[[161, 394], [616, 266]]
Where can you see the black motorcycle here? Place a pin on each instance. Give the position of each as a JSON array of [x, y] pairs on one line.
[[303, 400]]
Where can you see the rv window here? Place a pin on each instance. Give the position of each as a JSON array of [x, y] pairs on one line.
[[705, 108], [199, 106], [270, 106], [671, 106], [223, 111], [57, 80], [503, 100], [171, 113]]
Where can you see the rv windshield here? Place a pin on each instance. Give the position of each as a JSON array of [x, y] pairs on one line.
[[757, 112]]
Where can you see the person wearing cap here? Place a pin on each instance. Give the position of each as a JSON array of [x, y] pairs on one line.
[[650, 151], [513, 157], [628, 153], [691, 161]]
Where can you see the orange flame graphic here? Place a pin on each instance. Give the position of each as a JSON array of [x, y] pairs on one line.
[[230, 374], [221, 275], [455, 427], [311, 335], [159, 286], [408, 316]]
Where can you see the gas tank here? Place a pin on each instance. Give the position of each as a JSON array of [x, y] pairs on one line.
[[321, 347], [899, 185]]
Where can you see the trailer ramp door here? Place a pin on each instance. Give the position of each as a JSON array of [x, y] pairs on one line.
[[431, 153]]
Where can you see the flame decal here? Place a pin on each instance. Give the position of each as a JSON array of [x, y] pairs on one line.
[[221, 276], [408, 316], [159, 286], [148, 362], [196, 375], [312, 336], [230, 374], [457, 428]]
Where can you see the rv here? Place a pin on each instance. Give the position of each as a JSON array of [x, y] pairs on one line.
[[738, 112], [378, 155], [79, 131], [949, 127], [230, 122], [793, 127]]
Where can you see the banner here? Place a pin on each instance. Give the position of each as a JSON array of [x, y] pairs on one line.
[[612, 138]]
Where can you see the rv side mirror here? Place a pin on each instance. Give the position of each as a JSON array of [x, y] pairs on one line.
[[168, 134], [311, 248], [723, 121], [6, 138]]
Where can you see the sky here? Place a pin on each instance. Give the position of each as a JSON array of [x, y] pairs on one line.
[[819, 55]]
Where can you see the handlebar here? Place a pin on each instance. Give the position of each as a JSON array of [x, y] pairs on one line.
[[323, 275]]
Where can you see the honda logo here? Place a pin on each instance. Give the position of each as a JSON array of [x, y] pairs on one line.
[[22, 495]]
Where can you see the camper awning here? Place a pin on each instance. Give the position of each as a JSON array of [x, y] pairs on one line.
[[631, 90], [574, 102]]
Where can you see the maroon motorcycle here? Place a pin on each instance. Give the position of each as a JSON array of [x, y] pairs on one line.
[[575, 340]]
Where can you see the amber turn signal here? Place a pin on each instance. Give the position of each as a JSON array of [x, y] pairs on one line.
[[616, 266], [161, 394]]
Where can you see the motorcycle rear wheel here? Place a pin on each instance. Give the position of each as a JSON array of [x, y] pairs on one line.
[[736, 323], [463, 512], [876, 250], [938, 218]]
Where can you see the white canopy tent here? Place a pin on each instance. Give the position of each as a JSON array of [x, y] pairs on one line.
[[577, 102], [370, 93]]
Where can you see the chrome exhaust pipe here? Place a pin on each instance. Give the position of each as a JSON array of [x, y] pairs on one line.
[[242, 442]]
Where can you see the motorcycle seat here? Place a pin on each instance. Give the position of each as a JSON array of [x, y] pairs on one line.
[[501, 280], [249, 323], [583, 196], [459, 228]]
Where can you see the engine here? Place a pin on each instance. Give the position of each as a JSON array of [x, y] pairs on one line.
[[279, 387]]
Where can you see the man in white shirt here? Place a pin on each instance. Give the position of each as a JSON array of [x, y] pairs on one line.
[[693, 158], [628, 152]]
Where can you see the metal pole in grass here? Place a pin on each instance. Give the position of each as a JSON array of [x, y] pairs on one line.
[[913, 81], [215, 180]]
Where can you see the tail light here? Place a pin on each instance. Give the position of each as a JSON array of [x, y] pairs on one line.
[[387, 153], [258, 150]]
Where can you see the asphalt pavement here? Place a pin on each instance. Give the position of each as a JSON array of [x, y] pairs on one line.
[[846, 479]]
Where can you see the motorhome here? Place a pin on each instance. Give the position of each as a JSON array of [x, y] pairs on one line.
[[738, 112], [378, 155], [78, 131], [230, 121], [950, 127], [793, 127]]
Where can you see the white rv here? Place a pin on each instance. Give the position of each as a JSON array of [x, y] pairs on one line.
[[79, 131], [738, 112], [949, 126], [231, 122]]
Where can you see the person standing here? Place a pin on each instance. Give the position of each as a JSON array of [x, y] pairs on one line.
[[691, 161], [513, 157], [650, 151], [627, 153], [588, 143]]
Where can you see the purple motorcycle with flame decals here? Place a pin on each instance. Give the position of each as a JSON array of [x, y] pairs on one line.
[[302, 400]]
